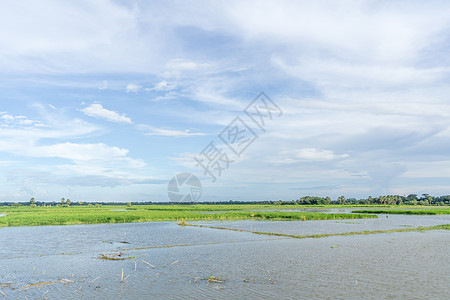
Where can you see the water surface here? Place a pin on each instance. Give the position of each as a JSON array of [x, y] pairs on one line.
[[410, 265]]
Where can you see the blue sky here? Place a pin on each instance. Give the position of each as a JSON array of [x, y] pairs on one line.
[[107, 100]]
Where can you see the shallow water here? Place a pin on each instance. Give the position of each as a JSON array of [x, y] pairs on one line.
[[383, 222], [409, 265]]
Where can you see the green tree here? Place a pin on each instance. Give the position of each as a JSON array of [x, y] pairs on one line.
[[68, 202], [32, 201], [412, 197], [341, 200], [63, 201]]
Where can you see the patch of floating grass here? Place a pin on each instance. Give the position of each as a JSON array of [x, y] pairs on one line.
[[115, 256]]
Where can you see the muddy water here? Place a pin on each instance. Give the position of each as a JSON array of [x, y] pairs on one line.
[[165, 260]]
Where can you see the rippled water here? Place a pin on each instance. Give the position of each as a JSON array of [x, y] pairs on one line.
[[409, 265]]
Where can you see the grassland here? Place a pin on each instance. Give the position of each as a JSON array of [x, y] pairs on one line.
[[430, 211], [39, 216]]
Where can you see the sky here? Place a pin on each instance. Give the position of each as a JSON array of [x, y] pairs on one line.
[[109, 100]]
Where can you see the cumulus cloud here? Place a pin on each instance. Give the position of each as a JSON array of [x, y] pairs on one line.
[[98, 111]]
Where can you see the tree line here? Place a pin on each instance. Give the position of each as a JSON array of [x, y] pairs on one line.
[[411, 199]]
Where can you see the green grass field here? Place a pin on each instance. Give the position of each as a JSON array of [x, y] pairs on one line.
[[408, 211], [38, 216]]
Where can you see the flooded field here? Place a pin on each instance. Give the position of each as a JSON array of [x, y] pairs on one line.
[[165, 260]]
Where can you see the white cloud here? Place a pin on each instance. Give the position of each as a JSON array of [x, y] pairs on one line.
[[133, 87], [305, 155], [10, 121], [86, 164], [98, 111], [178, 65], [78, 152], [167, 132], [162, 86], [315, 154], [177, 68]]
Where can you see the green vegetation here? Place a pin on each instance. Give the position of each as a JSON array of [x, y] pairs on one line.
[[66, 215], [436, 211], [411, 199]]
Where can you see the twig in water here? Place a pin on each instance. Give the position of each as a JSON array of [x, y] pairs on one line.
[[94, 279], [4, 295], [174, 262], [66, 281], [38, 284], [149, 264]]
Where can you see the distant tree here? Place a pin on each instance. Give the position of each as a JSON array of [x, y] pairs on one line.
[[68, 202], [328, 199], [63, 201], [412, 197], [129, 204], [341, 200], [32, 201]]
